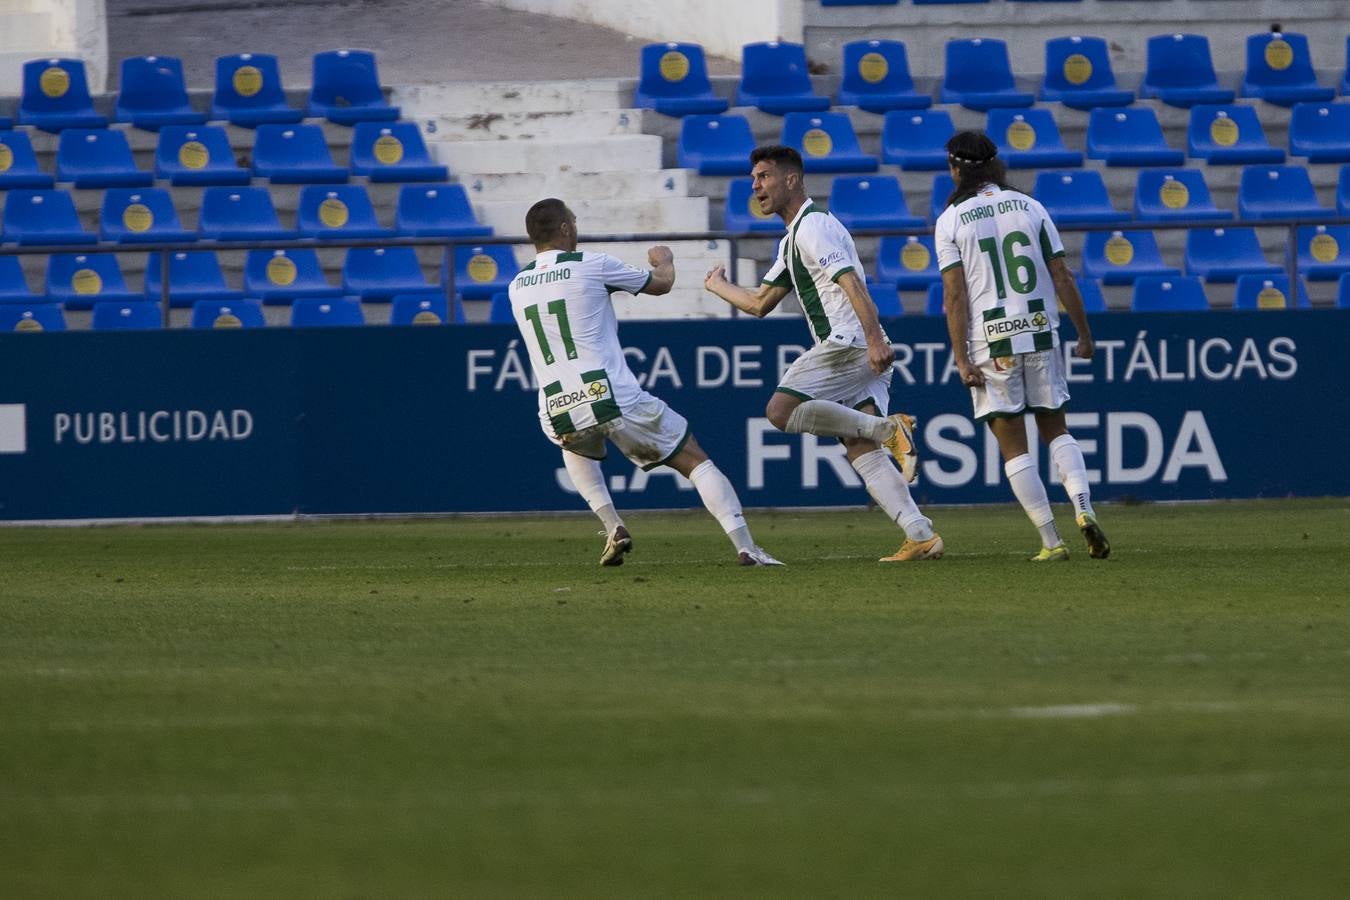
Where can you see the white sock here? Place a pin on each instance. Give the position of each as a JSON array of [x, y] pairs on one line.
[[1029, 490], [1068, 457], [720, 498], [589, 480], [829, 419], [887, 487]]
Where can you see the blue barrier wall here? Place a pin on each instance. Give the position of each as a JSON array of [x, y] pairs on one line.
[[201, 423]]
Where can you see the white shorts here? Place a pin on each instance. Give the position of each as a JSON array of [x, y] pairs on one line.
[[843, 374], [648, 433], [1029, 382]]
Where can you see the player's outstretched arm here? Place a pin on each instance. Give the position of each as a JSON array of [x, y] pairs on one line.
[[1066, 292], [758, 303], [880, 353], [662, 261]]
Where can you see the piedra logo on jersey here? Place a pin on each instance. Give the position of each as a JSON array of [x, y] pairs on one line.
[[597, 390], [1040, 320]]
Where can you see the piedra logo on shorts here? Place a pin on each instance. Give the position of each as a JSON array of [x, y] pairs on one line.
[[593, 392]]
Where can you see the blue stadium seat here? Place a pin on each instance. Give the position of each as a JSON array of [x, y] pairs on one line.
[[295, 154], [877, 79], [673, 80], [1094, 301], [909, 262], [978, 75], [499, 310], [132, 215], [917, 141], [1180, 72], [321, 312], [1268, 292], [864, 2], [826, 142], [933, 304], [1280, 70], [1078, 74], [1220, 255], [393, 151], [1129, 137], [871, 201], [226, 314], [338, 211], [715, 145], [1229, 135], [436, 210], [240, 214], [1119, 257], [346, 89], [277, 277], [378, 273], [1278, 192], [249, 91], [131, 315], [98, 158], [774, 77], [942, 189], [1029, 139], [77, 280], [1320, 131], [1343, 192], [1170, 293], [742, 212], [886, 297], [197, 155], [56, 96], [29, 317], [43, 217], [1324, 251], [1343, 293], [18, 163], [193, 276], [482, 271], [152, 93], [1180, 194], [13, 284], [1077, 198], [423, 309]]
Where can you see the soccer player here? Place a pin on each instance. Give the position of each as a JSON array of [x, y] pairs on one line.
[[841, 386], [587, 392], [1003, 268]]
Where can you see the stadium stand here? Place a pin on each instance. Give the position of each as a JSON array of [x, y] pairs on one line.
[[1278, 192], [227, 314], [56, 96], [436, 210], [249, 92], [19, 164], [1168, 293], [1343, 293], [1343, 192], [240, 214], [1323, 252], [1222, 255], [393, 151], [13, 284], [1268, 292], [1280, 70], [715, 144], [197, 155], [378, 273], [673, 80], [139, 215], [876, 78], [1077, 198], [916, 141], [1029, 139], [278, 277], [1119, 257], [1078, 74], [98, 158], [77, 280], [295, 154], [36, 216], [871, 201], [933, 300], [153, 94], [1094, 301], [826, 142], [1229, 135], [1178, 194], [315, 312], [334, 211], [937, 199], [423, 309], [499, 309], [1180, 72], [742, 212], [1129, 137], [345, 89], [134, 315], [887, 298], [482, 271], [775, 78], [1320, 131], [193, 275], [31, 317], [978, 76], [909, 262]]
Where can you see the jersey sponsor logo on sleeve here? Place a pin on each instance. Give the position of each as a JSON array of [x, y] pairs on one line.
[[831, 258]]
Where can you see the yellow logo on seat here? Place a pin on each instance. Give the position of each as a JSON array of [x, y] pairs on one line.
[[1223, 131], [281, 271], [1119, 250], [137, 217], [915, 256], [193, 155], [674, 66], [1021, 136], [482, 268], [1271, 297], [426, 317], [873, 68], [388, 149], [333, 213], [227, 319], [6, 157], [27, 324], [86, 281], [1077, 68], [816, 142], [1279, 55], [54, 81], [248, 81], [1325, 248], [1174, 194], [755, 209]]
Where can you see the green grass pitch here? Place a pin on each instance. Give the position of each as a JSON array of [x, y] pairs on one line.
[[473, 708]]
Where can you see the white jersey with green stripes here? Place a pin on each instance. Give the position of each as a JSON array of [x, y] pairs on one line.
[[561, 305], [1004, 241], [814, 254]]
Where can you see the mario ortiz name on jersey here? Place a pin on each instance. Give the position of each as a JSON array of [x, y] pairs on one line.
[[988, 211]]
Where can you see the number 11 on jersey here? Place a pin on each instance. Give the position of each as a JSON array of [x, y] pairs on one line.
[[557, 309]]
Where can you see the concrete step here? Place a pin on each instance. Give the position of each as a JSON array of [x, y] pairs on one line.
[[499, 98], [664, 214], [550, 125], [607, 154], [636, 184]]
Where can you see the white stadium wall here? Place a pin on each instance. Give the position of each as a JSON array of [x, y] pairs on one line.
[[76, 28], [721, 26]]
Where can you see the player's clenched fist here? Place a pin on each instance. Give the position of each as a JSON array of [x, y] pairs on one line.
[[660, 255], [716, 277]]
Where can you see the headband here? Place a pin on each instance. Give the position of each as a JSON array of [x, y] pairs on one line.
[[967, 162]]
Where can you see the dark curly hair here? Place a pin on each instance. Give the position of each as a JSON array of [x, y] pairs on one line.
[[976, 160]]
